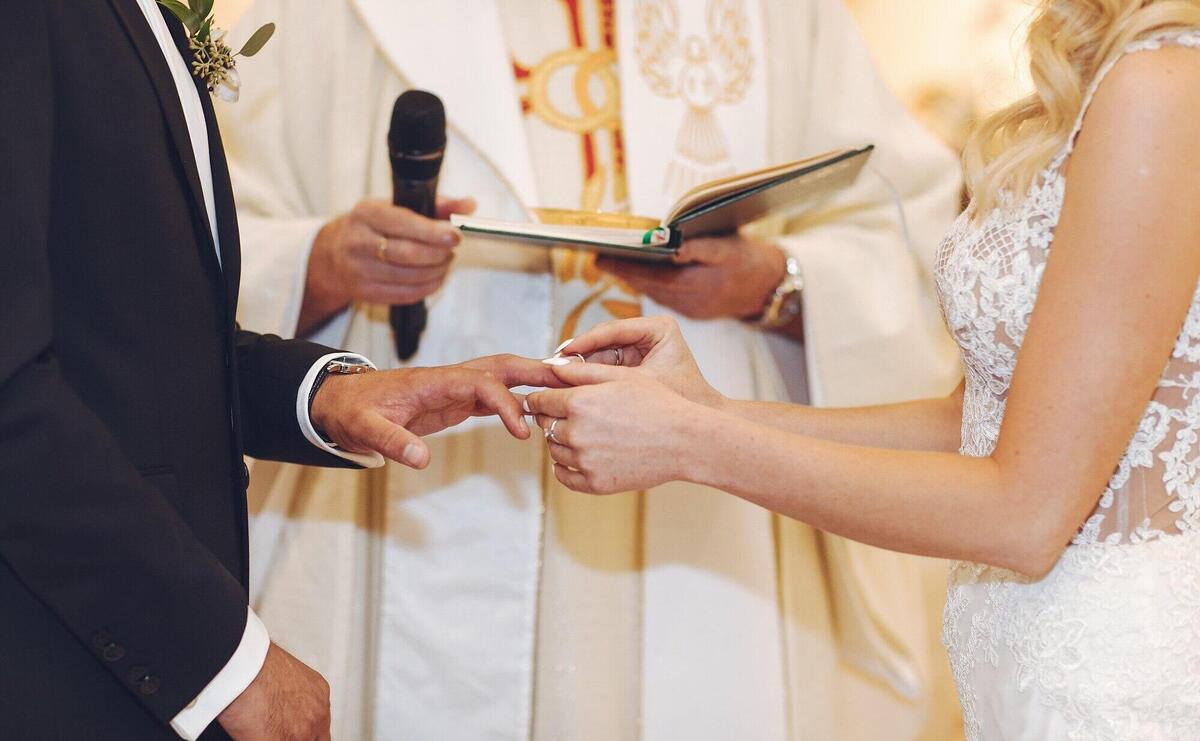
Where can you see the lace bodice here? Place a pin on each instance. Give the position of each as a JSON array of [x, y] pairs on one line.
[[988, 274]]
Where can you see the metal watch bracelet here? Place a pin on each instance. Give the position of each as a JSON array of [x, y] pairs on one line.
[[337, 368], [784, 305]]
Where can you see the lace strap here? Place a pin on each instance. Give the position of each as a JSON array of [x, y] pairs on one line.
[[1179, 37]]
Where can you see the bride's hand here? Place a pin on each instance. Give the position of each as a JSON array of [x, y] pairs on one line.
[[619, 430], [654, 345]]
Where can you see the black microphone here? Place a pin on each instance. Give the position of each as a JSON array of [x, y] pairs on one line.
[[416, 144]]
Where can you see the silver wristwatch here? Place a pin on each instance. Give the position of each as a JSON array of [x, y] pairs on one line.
[[335, 368], [784, 305]]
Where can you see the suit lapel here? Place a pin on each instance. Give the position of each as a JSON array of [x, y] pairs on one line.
[[156, 67], [223, 202], [227, 226]]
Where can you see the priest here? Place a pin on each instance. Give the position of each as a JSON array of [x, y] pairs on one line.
[[481, 599]]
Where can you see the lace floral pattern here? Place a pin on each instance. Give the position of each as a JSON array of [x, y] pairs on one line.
[[1108, 645]]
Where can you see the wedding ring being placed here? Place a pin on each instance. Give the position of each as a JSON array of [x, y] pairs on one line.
[[550, 432], [381, 250], [581, 358], [620, 351]]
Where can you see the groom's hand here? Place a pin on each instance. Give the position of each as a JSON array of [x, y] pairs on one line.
[[388, 411], [287, 701]]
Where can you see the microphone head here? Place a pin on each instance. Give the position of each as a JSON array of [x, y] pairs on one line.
[[418, 124]]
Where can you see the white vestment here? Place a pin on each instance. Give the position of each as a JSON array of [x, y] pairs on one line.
[[417, 593]]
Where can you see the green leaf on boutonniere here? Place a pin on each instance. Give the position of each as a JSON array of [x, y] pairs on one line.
[[184, 13], [203, 8], [258, 40], [205, 31]]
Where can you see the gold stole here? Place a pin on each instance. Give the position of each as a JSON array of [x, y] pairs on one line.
[[588, 649]]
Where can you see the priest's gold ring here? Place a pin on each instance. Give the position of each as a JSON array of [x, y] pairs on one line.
[[381, 249]]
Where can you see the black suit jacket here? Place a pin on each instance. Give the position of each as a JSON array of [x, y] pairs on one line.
[[127, 394]]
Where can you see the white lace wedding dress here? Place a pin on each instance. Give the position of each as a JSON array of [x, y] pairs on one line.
[[1107, 646]]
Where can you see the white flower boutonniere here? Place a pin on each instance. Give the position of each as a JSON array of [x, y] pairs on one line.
[[215, 62]]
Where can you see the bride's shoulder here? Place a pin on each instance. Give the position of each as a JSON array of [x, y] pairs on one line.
[[1150, 95], [1152, 74]]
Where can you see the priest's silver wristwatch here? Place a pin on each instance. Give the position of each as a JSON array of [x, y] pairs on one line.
[[784, 305]]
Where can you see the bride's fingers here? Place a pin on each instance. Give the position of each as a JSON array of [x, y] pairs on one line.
[[551, 403], [642, 332], [558, 425], [629, 356], [571, 479], [563, 455]]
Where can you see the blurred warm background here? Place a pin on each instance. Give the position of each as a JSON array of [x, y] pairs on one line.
[[947, 59]]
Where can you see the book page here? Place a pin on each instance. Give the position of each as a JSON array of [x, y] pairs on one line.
[[706, 193]]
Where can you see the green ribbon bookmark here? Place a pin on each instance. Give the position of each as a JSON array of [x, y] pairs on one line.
[[648, 237]]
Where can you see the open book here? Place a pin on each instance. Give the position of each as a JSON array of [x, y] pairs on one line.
[[711, 208]]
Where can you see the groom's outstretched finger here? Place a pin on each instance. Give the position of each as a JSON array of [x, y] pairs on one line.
[[590, 374], [494, 398], [513, 370]]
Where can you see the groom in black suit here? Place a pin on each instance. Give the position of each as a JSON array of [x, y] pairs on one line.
[[128, 397]]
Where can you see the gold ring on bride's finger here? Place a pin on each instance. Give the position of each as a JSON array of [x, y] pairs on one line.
[[550, 432], [381, 249]]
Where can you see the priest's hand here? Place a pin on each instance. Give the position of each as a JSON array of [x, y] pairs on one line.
[[713, 277], [287, 700], [653, 345], [378, 254], [388, 411]]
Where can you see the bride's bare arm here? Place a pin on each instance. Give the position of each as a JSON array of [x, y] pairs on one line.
[[1124, 268], [924, 424], [655, 346]]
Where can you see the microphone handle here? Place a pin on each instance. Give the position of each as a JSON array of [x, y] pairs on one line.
[[408, 322]]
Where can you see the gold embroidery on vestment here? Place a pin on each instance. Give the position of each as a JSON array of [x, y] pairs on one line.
[[704, 74]]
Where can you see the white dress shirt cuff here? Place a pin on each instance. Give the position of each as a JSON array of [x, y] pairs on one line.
[[366, 460], [229, 683]]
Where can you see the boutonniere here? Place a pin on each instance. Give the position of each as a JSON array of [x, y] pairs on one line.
[[215, 62]]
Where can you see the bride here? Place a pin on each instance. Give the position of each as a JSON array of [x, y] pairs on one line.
[[1064, 474]]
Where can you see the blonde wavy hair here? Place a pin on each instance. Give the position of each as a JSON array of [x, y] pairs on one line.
[[1069, 42]]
